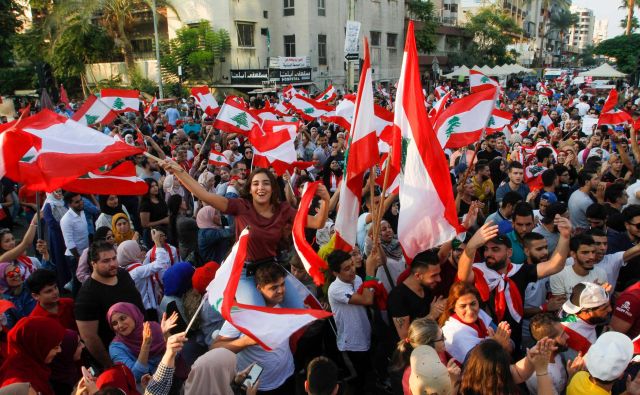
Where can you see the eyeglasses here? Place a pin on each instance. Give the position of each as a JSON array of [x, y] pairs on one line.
[[441, 339], [15, 272]]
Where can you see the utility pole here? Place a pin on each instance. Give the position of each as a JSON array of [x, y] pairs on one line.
[[157, 40], [350, 63]]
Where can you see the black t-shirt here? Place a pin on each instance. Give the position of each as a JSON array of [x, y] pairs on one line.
[[403, 302], [95, 298], [527, 274], [486, 155], [157, 211]]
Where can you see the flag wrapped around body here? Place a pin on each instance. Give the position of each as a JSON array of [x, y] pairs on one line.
[[268, 326]]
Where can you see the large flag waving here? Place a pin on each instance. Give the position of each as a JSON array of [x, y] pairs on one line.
[[205, 100], [362, 155], [273, 145], [462, 123], [61, 150], [270, 327], [498, 120], [93, 111], [609, 114], [121, 180], [309, 109], [479, 82], [428, 217], [314, 265], [328, 94], [121, 100], [233, 117]]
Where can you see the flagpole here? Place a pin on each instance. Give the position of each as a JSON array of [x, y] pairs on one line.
[[372, 196], [385, 184], [197, 312], [38, 227]]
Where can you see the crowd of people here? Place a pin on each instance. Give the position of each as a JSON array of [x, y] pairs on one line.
[[540, 295]]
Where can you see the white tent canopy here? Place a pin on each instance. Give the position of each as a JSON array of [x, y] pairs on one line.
[[604, 70], [460, 71], [486, 70]]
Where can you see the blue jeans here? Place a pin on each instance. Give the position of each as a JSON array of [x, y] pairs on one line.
[[247, 292]]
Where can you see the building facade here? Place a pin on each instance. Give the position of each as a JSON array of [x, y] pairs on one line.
[[581, 35], [600, 31]]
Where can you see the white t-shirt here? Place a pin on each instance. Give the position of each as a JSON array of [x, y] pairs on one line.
[[562, 283], [583, 108], [631, 193], [277, 364], [354, 330], [558, 375], [610, 264]]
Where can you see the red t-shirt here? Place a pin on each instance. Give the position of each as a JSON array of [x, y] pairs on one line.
[[628, 309], [266, 233], [64, 316]]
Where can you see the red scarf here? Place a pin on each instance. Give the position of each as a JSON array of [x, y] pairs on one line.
[[478, 326], [28, 263], [507, 295], [167, 247]]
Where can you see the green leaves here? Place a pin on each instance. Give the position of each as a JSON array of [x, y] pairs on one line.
[[492, 31], [625, 49]]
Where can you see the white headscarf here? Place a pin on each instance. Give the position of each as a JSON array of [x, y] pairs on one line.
[[58, 209], [212, 373]]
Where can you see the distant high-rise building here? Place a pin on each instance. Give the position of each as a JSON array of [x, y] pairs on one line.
[[600, 31], [581, 35]]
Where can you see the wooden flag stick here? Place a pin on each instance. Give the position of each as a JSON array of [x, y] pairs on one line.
[[372, 195], [380, 213]]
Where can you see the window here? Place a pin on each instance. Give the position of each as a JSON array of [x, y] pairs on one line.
[[245, 34], [375, 39], [142, 45], [265, 14], [290, 45], [322, 49], [289, 8], [322, 11], [392, 38]]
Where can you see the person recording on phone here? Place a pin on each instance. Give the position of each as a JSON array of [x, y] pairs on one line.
[[277, 374]]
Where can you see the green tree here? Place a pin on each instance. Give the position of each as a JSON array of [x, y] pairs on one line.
[[423, 12], [625, 49], [561, 22], [198, 50], [629, 5], [492, 31], [634, 24], [10, 23], [586, 57]]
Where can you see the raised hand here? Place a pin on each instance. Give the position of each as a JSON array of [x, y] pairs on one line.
[[437, 307], [454, 371], [168, 323], [563, 225], [147, 336], [503, 335], [575, 365], [487, 232]]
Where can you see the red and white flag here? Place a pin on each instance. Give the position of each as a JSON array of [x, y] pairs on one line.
[[544, 90], [428, 217], [64, 98], [151, 107], [233, 117], [289, 92], [121, 180], [609, 115], [121, 100], [498, 121], [93, 111], [309, 109], [462, 122], [439, 106], [60, 150], [581, 334], [250, 319], [328, 94], [439, 92], [363, 154], [343, 114], [205, 100], [217, 159], [267, 113], [273, 145], [546, 120], [479, 82], [314, 265]]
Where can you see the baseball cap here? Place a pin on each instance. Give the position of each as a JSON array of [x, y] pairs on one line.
[[428, 374], [609, 356], [587, 295], [550, 197]]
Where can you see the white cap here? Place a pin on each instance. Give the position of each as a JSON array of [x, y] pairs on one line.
[[609, 356], [428, 374], [593, 295]]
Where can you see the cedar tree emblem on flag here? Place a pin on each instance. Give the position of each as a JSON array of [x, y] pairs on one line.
[[117, 104], [241, 119], [453, 123]]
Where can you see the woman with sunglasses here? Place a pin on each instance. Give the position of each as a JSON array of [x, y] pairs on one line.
[[10, 252], [14, 290]]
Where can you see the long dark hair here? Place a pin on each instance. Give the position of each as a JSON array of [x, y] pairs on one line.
[[150, 182], [487, 371], [174, 203], [245, 193]]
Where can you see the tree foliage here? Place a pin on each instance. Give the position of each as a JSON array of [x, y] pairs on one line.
[[625, 49], [423, 11], [10, 23], [197, 49], [492, 31]]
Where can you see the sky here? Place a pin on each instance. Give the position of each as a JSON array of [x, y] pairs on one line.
[[606, 9]]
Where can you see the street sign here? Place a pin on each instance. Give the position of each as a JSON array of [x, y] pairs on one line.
[[351, 56]]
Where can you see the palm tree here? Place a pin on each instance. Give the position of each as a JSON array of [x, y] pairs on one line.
[[562, 21], [629, 5]]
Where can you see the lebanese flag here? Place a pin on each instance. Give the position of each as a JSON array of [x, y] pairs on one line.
[[382, 91], [217, 159], [462, 122], [609, 114], [60, 150], [314, 265], [267, 113], [205, 100], [533, 177], [581, 335], [438, 107], [64, 98], [121, 100], [273, 145], [543, 89], [281, 109], [479, 82], [428, 217], [498, 121], [546, 120], [94, 110], [151, 107], [249, 319], [439, 92], [289, 92], [309, 109], [234, 118], [121, 180], [363, 154], [328, 94]]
